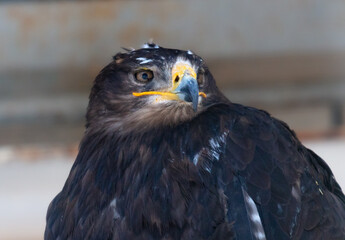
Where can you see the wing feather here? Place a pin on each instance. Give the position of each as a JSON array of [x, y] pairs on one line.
[[293, 188]]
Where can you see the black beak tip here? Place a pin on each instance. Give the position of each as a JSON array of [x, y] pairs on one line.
[[195, 106]]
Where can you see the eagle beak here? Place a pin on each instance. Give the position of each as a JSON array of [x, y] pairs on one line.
[[187, 90]]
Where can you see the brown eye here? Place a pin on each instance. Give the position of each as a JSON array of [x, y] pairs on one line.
[[144, 76], [201, 76]]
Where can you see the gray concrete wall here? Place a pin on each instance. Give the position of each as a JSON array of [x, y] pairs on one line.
[[60, 34], [287, 57]]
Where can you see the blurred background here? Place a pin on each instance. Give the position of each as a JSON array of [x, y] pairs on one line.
[[287, 57]]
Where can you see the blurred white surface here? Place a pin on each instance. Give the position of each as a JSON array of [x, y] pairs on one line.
[[26, 188], [333, 152]]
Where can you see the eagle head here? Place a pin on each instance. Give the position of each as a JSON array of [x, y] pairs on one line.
[[150, 87]]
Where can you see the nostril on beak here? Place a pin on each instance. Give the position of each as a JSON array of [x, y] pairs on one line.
[[177, 79]]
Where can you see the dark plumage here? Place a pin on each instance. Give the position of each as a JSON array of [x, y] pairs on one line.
[[175, 165]]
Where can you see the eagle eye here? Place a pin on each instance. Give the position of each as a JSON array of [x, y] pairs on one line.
[[144, 76]]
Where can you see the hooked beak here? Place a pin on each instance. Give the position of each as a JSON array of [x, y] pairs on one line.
[[184, 86], [188, 90]]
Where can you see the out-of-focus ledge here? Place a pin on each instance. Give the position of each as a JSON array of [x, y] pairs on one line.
[[53, 109], [41, 133], [23, 84], [31, 153], [331, 134], [278, 69]]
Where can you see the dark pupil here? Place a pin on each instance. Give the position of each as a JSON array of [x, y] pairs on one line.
[[145, 76]]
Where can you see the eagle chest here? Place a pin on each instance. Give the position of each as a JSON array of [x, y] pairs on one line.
[[177, 191]]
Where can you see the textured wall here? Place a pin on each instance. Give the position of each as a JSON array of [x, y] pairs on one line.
[[287, 57], [38, 35]]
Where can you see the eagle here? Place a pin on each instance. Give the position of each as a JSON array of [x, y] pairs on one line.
[[165, 155]]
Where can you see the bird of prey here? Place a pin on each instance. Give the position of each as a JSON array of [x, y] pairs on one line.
[[166, 156]]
